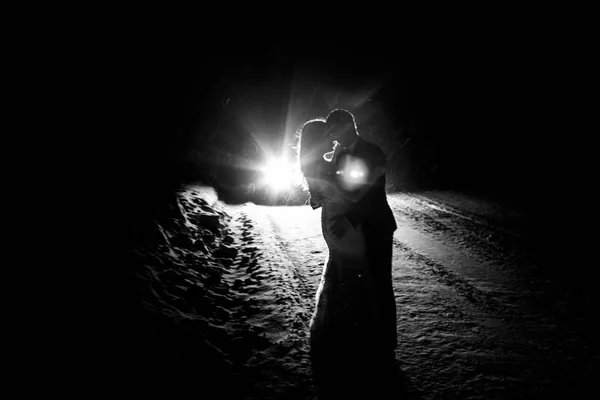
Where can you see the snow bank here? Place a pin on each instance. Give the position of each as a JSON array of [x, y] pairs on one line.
[[207, 308], [180, 304]]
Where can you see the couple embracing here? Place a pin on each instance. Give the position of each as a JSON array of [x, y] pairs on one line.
[[353, 329]]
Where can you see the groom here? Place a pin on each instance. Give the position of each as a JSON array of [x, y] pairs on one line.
[[372, 209]]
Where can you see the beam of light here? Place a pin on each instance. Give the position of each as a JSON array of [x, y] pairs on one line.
[[271, 134], [280, 174]]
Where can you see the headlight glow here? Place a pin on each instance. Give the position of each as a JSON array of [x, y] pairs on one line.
[[280, 175]]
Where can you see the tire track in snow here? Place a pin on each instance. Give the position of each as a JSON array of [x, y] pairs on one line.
[[483, 237], [460, 341], [512, 270], [524, 286], [303, 290], [461, 232], [509, 226], [264, 273], [444, 339], [283, 369], [531, 338], [465, 289]]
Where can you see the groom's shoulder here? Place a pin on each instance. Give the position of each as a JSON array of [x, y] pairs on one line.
[[370, 151]]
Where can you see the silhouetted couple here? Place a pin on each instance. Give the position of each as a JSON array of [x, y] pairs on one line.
[[353, 329]]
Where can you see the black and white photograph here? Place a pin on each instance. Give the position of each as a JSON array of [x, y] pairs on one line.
[[313, 215]]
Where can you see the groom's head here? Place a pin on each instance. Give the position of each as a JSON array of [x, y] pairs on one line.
[[342, 126]]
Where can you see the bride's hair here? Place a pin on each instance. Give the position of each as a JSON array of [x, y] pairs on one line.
[[310, 151]]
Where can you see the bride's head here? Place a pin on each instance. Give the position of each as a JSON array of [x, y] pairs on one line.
[[314, 142]]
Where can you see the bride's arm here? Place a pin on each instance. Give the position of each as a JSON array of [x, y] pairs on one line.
[[341, 236]]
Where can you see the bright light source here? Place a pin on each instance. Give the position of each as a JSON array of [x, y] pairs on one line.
[[353, 171], [280, 174]]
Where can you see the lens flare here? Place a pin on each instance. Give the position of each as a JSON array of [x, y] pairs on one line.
[[352, 172], [280, 174]]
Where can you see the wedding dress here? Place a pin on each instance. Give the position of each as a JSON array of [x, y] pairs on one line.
[[346, 324]]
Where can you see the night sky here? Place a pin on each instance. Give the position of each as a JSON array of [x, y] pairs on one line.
[[461, 110]]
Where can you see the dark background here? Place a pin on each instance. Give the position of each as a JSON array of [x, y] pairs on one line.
[[469, 109]]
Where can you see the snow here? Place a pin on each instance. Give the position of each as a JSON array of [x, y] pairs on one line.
[[222, 296]]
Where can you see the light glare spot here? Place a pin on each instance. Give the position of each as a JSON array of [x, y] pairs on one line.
[[280, 175]]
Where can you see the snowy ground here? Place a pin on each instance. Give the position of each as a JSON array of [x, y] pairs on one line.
[[221, 297]]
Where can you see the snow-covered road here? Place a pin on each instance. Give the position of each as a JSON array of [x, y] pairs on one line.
[[476, 317]]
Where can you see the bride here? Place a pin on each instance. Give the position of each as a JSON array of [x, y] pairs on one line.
[[345, 330]]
